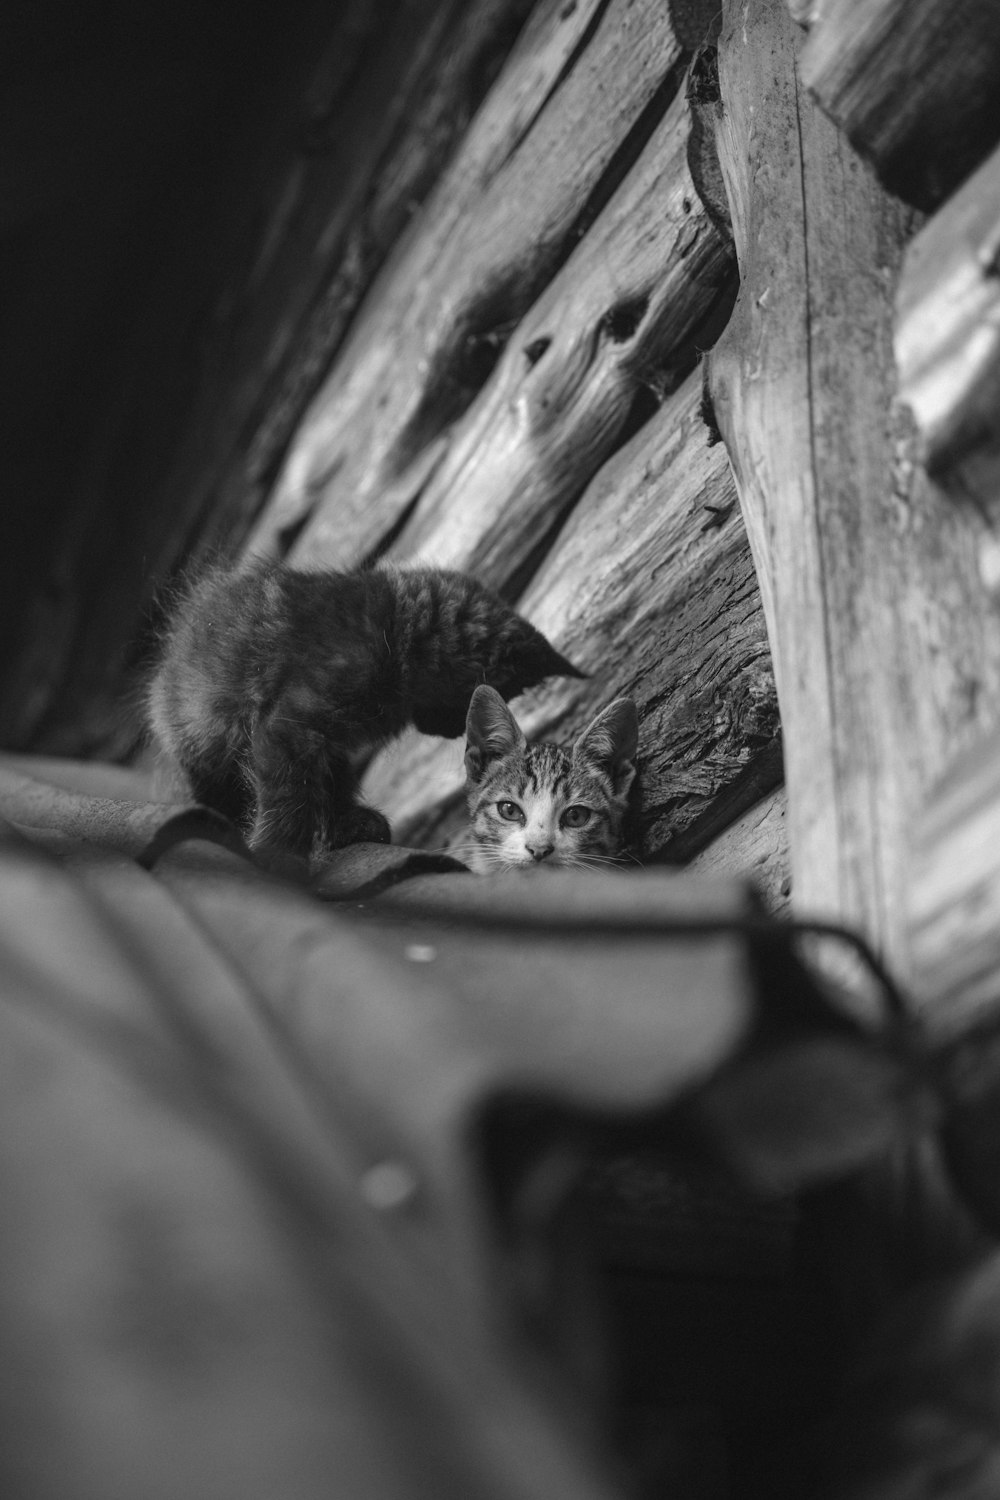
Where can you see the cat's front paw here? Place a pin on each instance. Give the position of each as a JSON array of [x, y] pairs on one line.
[[362, 825]]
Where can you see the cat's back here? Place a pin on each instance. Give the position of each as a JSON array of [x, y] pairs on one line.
[[222, 624], [217, 619], [235, 635]]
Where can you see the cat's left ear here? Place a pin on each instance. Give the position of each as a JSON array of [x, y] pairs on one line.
[[610, 742], [490, 731]]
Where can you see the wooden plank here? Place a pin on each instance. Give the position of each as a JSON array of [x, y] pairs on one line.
[[912, 82], [754, 846], [885, 660], [948, 344], [650, 588], [488, 240], [617, 320], [953, 894]]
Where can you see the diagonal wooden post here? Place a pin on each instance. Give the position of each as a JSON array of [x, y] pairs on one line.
[[885, 654]]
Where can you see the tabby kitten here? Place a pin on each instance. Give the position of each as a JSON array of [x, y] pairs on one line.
[[530, 804], [272, 684]]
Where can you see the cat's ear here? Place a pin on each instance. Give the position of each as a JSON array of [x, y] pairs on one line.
[[531, 658], [610, 742], [490, 731]]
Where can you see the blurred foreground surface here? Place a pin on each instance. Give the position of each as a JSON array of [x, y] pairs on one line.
[[311, 1197]]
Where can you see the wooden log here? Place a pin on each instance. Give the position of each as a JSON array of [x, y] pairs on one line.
[[885, 660], [617, 319], [754, 846], [650, 588], [452, 54], [489, 238], [948, 340], [953, 894], [912, 82]]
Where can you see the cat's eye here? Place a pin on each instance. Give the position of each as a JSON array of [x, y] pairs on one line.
[[510, 812], [575, 816]]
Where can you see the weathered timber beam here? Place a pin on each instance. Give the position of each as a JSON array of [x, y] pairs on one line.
[[755, 846], [651, 589], [618, 316], [487, 240], [953, 893], [425, 126], [948, 338], [914, 83], [885, 659]]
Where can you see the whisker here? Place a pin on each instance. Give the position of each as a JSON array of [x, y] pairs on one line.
[[451, 849], [596, 862]]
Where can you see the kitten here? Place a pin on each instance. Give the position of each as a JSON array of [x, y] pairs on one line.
[[273, 683], [534, 804]]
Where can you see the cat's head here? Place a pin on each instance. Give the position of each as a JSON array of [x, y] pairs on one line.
[[477, 638], [540, 804]]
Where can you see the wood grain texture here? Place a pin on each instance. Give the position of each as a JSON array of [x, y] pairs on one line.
[[912, 82], [616, 321], [948, 339], [487, 241], [755, 846], [885, 659], [651, 589], [953, 893]]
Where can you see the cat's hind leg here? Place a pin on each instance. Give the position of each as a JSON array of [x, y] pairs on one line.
[[283, 779], [305, 797], [220, 787], [194, 754], [359, 825], [344, 819]]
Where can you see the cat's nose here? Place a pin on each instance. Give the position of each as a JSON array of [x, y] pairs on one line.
[[539, 851]]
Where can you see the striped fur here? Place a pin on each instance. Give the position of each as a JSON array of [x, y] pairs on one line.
[[540, 804], [273, 683]]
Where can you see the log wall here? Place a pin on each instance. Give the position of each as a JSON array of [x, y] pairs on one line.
[[466, 283], [508, 386], [651, 590], [238, 318], [459, 316]]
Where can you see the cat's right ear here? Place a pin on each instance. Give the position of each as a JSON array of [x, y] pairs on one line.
[[490, 731]]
